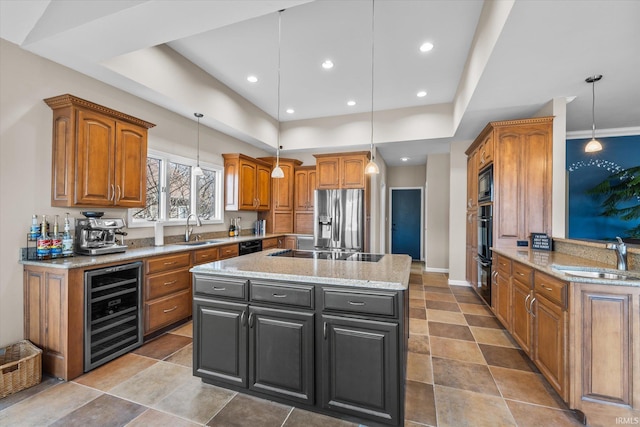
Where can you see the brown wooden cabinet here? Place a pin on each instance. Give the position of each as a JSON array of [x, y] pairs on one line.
[[521, 296], [99, 155], [344, 170], [247, 183], [605, 347], [203, 256], [228, 251], [290, 242], [279, 218], [305, 186], [167, 291], [270, 243], [501, 289], [484, 153]]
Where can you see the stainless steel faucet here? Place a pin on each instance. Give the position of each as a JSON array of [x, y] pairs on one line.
[[188, 230], [621, 252]]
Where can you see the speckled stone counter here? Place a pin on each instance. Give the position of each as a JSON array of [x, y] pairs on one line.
[[546, 260], [82, 261], [390, 272]]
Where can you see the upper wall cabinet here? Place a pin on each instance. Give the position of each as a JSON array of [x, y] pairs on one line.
[[99, 155], [279, 219], [247, 183], [343, 170]]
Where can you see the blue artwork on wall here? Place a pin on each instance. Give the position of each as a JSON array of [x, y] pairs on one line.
[[612, 175]]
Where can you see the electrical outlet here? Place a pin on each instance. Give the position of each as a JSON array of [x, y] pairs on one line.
[[523, 243]]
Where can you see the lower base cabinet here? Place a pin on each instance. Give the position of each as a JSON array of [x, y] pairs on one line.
[[270, 339], [360, 374]]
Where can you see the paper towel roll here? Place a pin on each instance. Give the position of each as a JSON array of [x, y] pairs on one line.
[[159, 233]]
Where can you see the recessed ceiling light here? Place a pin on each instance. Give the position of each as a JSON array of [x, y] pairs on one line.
[[328, 64], [290, 110], [252, 79], [404, 159], [421, 94], [351, 103], [426, 47]]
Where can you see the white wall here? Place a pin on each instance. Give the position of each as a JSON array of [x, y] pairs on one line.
[[25, 157], [458, 212], [437, 213]]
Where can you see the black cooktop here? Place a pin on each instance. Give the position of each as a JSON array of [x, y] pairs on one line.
[[329, 255]]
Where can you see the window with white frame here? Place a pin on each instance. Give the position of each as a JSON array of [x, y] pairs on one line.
[[173, 192]]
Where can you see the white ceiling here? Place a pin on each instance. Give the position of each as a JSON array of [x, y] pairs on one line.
[[544, 50]]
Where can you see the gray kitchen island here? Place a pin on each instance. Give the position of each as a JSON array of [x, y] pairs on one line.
[[322, 331]]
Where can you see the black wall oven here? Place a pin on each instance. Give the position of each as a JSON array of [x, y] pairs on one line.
[[485, 185], [485, 241]]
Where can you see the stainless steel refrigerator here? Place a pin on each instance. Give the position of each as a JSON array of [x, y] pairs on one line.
[[339, 220]]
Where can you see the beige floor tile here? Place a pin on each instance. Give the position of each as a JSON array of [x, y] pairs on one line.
[[184, 330], [419, 368], [482, 310], [418, 326], [462, 408], [446, 317], [115, 372], [464, 375], [493, 336], [105, 410], [48, 406], [525, 387], [539, 416], [245, 410], [438, 296], [419, 344], [154, 418], [153, 384], [418, 313], [420, 404], [466, 351], [299, 418], [195, 401], [182, 357], [416, 303], [417, 294]]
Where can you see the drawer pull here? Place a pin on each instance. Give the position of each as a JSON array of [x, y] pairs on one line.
[[546, 288], [169, 263], [169, 283], [356, 303], [324, 331], [279, 295], [216, 288], [170, 309], [519, 274]]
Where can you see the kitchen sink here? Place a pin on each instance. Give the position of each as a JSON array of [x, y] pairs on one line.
[[199, 242], [594, 272]]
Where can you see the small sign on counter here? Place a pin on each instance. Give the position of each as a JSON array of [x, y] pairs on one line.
[[541, 241]]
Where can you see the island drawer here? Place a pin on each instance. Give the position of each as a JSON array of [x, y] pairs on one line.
[[360, 302], [552, 288], [298, 295], [227, 288]]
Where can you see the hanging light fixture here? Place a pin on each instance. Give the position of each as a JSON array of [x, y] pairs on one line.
[[277, 172], [197, 171], [594, 145], [372, 168]]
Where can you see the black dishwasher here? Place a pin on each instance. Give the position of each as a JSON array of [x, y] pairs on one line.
[[113, 313], [250, 246]]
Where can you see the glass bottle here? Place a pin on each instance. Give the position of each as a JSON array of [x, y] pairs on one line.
[[56, 240], [232, 229], [67, 238], [43, 243], [35, 228]]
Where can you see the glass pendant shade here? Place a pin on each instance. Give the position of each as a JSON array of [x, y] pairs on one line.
[[277, 172], [371, 168], [594, 145]]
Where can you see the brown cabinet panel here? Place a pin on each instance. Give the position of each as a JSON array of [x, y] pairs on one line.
[[99, 155], [269, 243], [550, 323], [290, 242], [343, 170], [305, 185], [279, 218], [282, 222], [160, 285], [229, 251], [507, 187], [303, 223], [202, 256], [353, 171], [328, 169], [167, 262], [164, 311], [521, 325], [247, 183]]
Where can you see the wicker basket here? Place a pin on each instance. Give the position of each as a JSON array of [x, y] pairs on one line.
[[20, 367]]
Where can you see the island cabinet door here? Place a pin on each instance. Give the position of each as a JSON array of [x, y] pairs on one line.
[[281, 345], [220, 341], [360, 368]]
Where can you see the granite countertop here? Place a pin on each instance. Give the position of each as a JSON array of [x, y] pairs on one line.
[[390, 272], [135, 254], [545, 261]]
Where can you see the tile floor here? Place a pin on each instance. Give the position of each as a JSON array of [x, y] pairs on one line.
[[463, 370]]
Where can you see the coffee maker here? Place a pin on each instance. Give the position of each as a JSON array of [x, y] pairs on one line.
[[97, 236]]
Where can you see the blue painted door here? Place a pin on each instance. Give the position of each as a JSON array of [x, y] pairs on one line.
[[406, 235]]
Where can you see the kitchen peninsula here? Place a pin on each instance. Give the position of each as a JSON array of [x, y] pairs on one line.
[[326, 335]]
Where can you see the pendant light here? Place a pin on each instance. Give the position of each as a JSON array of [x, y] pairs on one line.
[[594, 145], [372, 168], [197, 171], [277, 172]]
